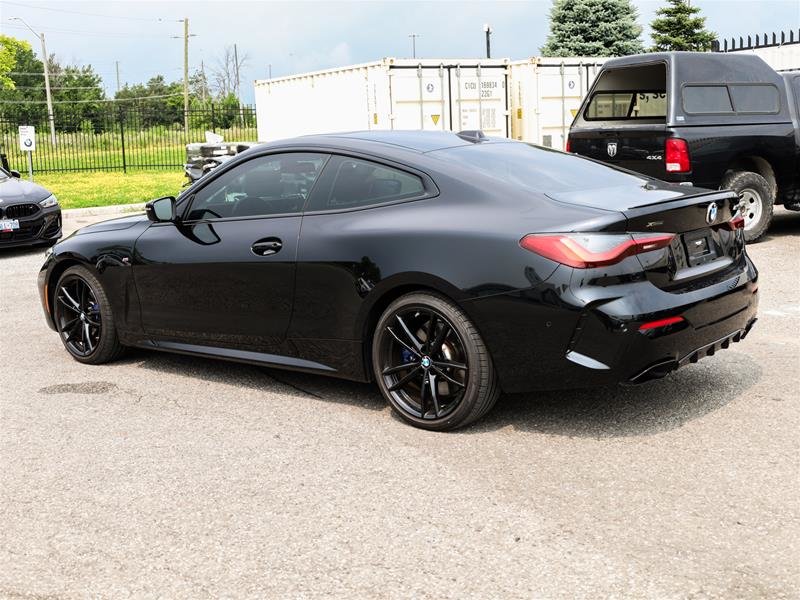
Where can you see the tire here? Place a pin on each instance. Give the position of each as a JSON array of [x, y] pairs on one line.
[[442, 388], [757, 201], [83, 318]]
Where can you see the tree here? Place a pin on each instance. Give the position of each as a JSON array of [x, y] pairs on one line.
[[157, 102], [10, 48], [223, 75], [593, 28], [77, 93], [680, 28]]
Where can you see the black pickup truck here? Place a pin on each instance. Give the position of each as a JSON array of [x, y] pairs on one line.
[[716, 120]]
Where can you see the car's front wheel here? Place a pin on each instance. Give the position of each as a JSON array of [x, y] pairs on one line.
[[431, 364], [83, 317]]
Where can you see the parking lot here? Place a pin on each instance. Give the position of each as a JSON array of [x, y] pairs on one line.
[[165, 476]]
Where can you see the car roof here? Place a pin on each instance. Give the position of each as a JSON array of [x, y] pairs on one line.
[[415, 141]]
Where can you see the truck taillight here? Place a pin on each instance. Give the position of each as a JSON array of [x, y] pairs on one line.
[[568, 146], [676, 154], [589, 250]]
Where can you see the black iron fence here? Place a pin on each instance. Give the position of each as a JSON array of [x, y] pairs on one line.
[[118, 136], [761, 41]]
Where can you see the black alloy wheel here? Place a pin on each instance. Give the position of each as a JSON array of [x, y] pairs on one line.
[[431, 364], [78, 316], [83, 318]]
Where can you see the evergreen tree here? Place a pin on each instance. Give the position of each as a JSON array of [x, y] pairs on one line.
[[593, 28], [680, 28]]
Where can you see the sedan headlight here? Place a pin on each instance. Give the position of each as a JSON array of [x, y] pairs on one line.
[[49, 201]]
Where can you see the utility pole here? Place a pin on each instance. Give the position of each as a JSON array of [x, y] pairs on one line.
[[488, 30], [116, 62], [205, 83], [238, 97], [236, 69], [269, 70], [414, 37], [186, 37], [186, 76], [45, 60]]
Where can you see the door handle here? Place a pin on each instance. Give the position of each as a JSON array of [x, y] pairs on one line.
[[266, 247]]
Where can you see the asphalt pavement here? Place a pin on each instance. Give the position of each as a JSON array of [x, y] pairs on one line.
[[164, 476]]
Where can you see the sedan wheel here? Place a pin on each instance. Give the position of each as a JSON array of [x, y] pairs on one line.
[[78, 316], [431, 363], [83, 317]]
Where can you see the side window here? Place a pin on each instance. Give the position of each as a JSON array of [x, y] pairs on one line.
[[264, 186], [755, 98], [626, 105], [352, 183], [706, 99]]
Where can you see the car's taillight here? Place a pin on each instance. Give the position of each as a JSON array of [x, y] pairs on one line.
[[658, 324], [588, 250], [568, 146], [676, 154]]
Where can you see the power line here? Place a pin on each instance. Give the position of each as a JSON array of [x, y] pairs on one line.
[[85, 14], [56, 87], [80, 32]]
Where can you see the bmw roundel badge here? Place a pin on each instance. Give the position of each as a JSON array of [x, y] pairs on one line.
[[711, 213]]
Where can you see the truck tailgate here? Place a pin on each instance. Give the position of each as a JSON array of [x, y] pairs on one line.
[[639, 149]]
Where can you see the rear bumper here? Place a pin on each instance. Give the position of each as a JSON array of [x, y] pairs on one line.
[[664, 368], [561, 335]]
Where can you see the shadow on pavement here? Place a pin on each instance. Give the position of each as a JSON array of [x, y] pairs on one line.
[[785, 222], [687, 394], [16, 252], [618, 411], [259, 378]]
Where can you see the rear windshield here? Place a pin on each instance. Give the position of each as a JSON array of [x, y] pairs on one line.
[[538, 169], [624, 105]]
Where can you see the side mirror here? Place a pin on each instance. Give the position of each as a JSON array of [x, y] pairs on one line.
[[15, 174], [161, 210]]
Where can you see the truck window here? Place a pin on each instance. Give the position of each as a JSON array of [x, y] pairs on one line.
[[623, 105], [755, 98], [706, 99]]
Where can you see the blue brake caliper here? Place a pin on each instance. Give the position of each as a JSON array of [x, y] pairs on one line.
[[407, 355]]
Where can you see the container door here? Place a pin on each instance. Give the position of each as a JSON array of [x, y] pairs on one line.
[[561, 89], [479, 99], [419, 98]]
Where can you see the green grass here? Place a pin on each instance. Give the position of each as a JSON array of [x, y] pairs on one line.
[[80, 190], [160, 147]]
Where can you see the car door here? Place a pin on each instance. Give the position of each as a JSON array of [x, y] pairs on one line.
[[223, 275]]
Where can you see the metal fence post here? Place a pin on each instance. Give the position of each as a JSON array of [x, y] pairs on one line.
[[122, 138], [213, 124]]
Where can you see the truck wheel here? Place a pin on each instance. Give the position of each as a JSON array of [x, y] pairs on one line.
[[757, 200]]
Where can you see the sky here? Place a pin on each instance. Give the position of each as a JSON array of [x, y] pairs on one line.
[[146, 37]]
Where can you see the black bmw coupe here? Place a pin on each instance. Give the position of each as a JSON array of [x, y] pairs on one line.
[[445, 267]]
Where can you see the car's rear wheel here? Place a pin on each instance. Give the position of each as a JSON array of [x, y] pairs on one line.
[[431, 363], [83, 317], [756, 202]]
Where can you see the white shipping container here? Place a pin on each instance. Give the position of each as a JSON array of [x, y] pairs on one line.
[[545, 94], [780, 58], [444, 95]]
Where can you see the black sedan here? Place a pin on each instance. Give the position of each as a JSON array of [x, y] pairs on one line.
[[444, 267], [29, 214]]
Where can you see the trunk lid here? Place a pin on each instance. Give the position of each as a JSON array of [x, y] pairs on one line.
[[704, 250], [639, 148]]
